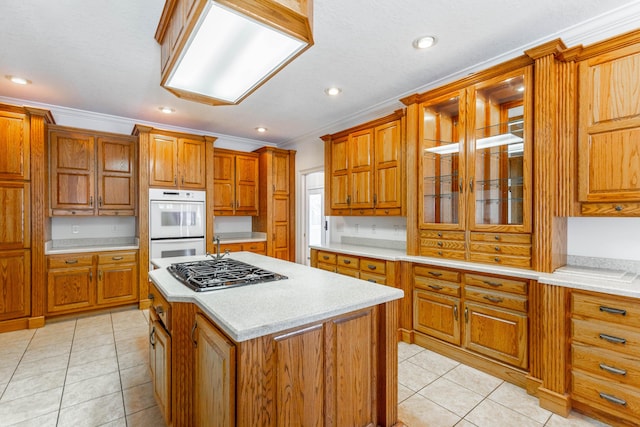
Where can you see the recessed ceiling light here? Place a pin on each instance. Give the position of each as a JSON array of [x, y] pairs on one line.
[[18, 80], [261, 129], [167, 110], [424, 42], [332, 91]]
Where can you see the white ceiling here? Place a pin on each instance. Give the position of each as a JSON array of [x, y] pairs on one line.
[[101, 56]]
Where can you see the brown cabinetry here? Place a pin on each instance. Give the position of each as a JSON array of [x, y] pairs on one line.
[[235, 183], [79, 282], [276, 213], [91, 173], [176, 162], [258, 247], [609, 133], [14, 144], [605, 349], [483, 313], [373, 270], [15, 284], [365, 168], [160, 364]]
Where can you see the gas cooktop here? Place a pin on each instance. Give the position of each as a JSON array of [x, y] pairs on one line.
[[212, 274]]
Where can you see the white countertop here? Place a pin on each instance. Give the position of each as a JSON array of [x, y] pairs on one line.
[[246, 312], [242, 237], [69, 246], [615, 282]]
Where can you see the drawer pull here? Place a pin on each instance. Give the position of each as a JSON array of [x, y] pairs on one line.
[[436, 287], [493, 299], [612, 370], [371, 267], [618, 208], [497, 248], [495, 284], [325, 256], [613, 399], [71, 261], [440, 244], [613, 310], [435, 274], [346, 261], [372, 280], [117, 258], [612, 339], [439, 234], [159, 310], [455, 313]]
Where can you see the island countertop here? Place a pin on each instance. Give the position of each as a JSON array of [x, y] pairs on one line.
[[308, 295]]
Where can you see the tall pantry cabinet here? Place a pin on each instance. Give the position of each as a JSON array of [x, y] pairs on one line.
[[22, 225]]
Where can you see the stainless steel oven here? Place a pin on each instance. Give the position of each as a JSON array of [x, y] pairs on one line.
[[177, 223]]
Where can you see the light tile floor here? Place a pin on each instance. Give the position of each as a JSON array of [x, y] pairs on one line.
[[93, 371]]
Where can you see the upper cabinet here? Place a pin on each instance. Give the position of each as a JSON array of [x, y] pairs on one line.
[[235, 183], [365, 168], [474, 169], [14, 145], [177, 162], [609, 133], [91, 173]]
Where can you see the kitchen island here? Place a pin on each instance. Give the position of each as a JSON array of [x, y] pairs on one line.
[[316, 348]]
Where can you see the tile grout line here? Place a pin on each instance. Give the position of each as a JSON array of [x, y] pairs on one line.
[[64, 383], [115, 344]]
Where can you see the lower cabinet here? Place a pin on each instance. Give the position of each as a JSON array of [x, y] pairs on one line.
[[78, 282], [15, 284], [258, 247], [365, 268], [160, 364]]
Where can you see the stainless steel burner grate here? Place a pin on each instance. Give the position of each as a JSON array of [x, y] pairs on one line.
[[213, 274]]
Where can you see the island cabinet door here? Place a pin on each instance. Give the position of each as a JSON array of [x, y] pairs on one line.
[[215, 389], [160, 366]]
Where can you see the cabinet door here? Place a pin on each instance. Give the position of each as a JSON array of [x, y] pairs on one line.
[[361, 162], [223, 183], [70, 289], [72, 172], [215, 377], [191, 163], [15, 284], [609, 134], [246, 185], [281, 173], [281, 228], [160, 363], [437, 315], [500, 153], [14, 146], [15, 218], [340, 176], [496, 333], [163, 161], [388, 166], [116, 176], [117, 283], [442, 163]]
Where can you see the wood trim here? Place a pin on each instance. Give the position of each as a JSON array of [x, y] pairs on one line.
[[553, 47], [183, 316], [387, 383], [536, 337], [209, 150], [558, 403], [23, 323], [143, 134], [611, 44], [411, 169], [398, 114]]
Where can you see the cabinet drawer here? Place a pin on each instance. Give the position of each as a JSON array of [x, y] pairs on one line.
[[326, 257], [610, 209], [436, 273], [116, 257], [370, 265], [437, 286], [374, 278], [348, 271], [501, 249], [497, 283], [446, 235], [606, 335], [456, 245], [348, 261], [160, 306], [498, 299], [606, 364], [442, 253], [606, 308], [501, 238], [513, 261], [254, 246], [69, 260], [613, 398], [231, 247], [327, 267]]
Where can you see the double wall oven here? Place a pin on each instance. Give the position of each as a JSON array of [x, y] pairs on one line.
[[177, 223]]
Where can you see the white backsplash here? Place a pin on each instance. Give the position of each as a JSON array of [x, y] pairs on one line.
[[616, 238], [232, 224], [63, 228], [370, 227]]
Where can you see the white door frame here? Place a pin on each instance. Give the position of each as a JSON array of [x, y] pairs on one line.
[[302, 219]]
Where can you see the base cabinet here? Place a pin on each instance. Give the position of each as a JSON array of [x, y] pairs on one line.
[[160, 365], [15, 284]]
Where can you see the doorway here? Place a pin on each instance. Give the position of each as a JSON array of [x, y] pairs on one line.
[[315, 223]]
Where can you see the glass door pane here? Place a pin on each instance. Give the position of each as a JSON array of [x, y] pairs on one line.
[[442, 162]]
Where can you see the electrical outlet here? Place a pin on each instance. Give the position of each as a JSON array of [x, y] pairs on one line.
[[75, 229], [357, 228], [373, 229], [396, 229]]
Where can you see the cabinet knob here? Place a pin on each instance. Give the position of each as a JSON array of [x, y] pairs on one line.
[[497, 248], [440, 244], [618, 208]]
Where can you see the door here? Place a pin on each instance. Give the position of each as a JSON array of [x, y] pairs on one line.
[[163, 162], [116, 176], [315, 221]]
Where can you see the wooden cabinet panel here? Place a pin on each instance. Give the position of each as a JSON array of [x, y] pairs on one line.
[[235, 183], [348, 261], [498, 299], [246, 185], [215, 377], [340, 174], [497, 333], [618, 310], [619, 401], [14, 146], [437, 315], [163, 161], [361, 167], [116, 176], [497, 283], [606, 335], [614, 366], [373, 278], [300, 390], [72, 164], [117, 283], [70, 289], [281, 173], [223, 183], [388, 166], [160, 363], [191, 163], [15, 284], [15, 215]]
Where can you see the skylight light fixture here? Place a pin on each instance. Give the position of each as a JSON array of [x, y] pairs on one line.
[[424, 42], [234, 46]]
